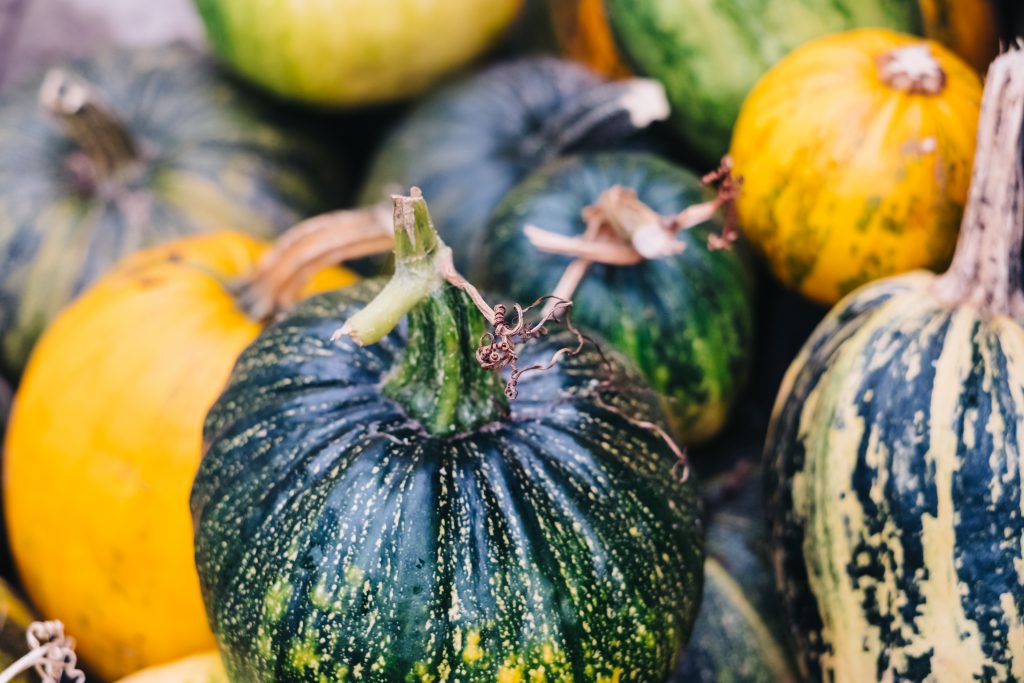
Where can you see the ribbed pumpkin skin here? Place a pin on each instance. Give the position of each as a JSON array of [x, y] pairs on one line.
[[687, 321], [108, 421], [337, 539], [215, 163], [739, 636], [846, 179], [470, 143], [894, 490], [351, 52]]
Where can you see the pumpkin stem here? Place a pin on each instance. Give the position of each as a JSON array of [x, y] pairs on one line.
[[98, 131], [610, 111], [986, 268], [912, 69], [438, 381], [306, 249]]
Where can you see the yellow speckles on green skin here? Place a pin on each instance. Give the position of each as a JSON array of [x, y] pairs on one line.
[[508, 674], [276, 600], [303, 656], [472, 652], [321, 596], [613, 678], [353, 576]]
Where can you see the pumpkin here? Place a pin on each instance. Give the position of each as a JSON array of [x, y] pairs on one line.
[[739, 636], [895, 452], [352, 52], [202, 668], [710, 55], [145, 146], [470, 143], [383, 511], [873, 182], [108, 421], [686, 320]]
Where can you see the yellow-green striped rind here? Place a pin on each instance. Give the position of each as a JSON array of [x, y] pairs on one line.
[[338, 540], [894, 490]]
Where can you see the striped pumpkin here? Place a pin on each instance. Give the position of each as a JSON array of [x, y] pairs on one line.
[[895, 452], [382, 512], [710, 54], [685, 320], [468, 144], [108, 421], [855, 153], [145, 147]]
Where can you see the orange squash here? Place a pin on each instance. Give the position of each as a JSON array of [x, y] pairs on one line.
[[105, 435], [855, 153]]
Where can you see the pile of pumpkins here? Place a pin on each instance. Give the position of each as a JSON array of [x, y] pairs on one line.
[[261, 425]]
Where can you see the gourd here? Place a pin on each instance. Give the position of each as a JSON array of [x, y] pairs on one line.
[[108, 421], [873, 182], [352, 52], [686, 320], [739, 636], [143, 147], [710, 55], [470, 143], [895, 451], [201, 668], [372, 505]]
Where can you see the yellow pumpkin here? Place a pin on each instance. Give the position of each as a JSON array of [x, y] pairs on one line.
[[855, 155], [105, 435], [202, 668]]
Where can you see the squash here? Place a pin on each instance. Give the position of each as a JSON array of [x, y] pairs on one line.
[[710, 55], [739, 636], [853, 167], [352, 52], [895, 452], [157, 147], [108, 421], [468, 144], [384, 511], [202, 668], [686, 320]]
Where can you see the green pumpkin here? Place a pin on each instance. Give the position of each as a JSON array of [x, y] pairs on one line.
[[739, 636], [895, 452], [383, 512], [470, 143], [138, 148], [352, 52], [686, 321], [709, 55]]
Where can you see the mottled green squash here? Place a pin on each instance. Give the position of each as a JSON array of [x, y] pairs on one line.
[[710, 53], [138, 148], [739, 636], [383, 512], [895, 452], [686, 320], [468, 144]]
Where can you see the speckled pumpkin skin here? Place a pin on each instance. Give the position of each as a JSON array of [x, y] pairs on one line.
[[686, 321], [846, 179], [895, 490], [213, 161], [335, 539]]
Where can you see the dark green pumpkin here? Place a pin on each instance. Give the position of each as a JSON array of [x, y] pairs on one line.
[[895, 452], [710, 54], [469, 143], [686, 321], [169, 149], [739, 636], [383, 513]]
